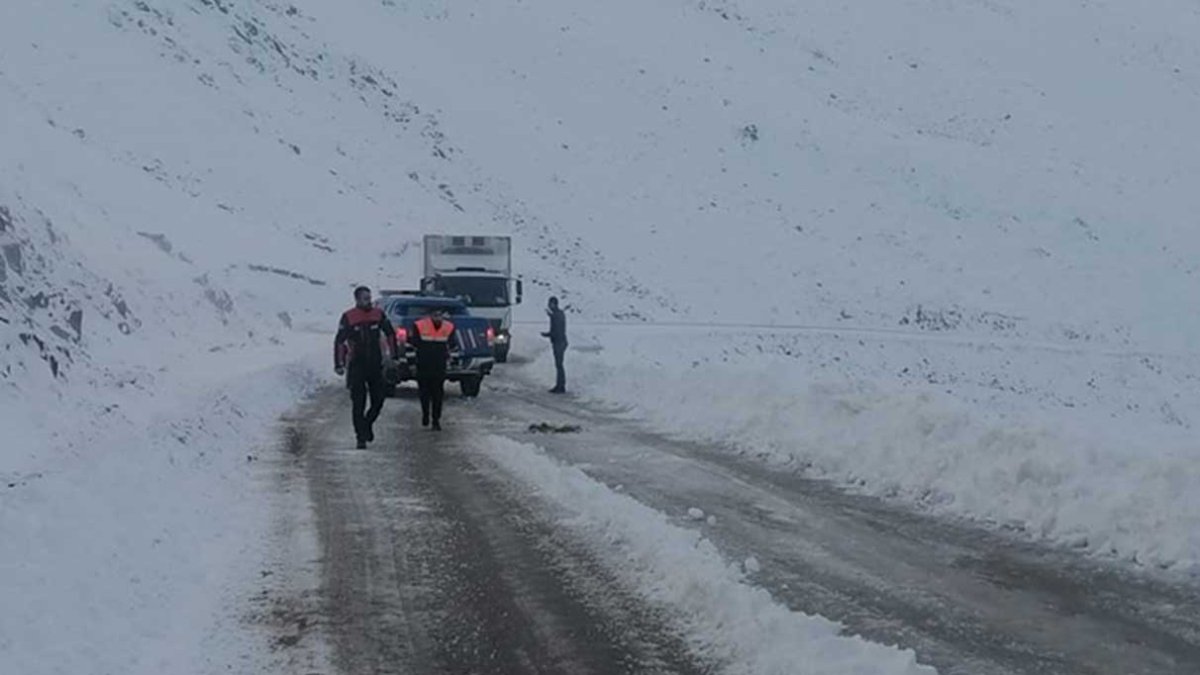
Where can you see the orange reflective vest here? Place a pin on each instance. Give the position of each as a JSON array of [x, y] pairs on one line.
[[428, 332]]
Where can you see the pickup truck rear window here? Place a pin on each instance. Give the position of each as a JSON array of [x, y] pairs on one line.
[[414, 311]]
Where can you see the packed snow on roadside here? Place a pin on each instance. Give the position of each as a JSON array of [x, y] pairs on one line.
[[725, 619], [146, 547], [1091, 448]]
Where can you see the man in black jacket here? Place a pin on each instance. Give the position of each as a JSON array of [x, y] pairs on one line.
[[433, 339], [364, 338], [558, 342]]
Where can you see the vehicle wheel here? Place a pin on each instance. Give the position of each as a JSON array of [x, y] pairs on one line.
[[471, 386], [389, 391], [502, 355]]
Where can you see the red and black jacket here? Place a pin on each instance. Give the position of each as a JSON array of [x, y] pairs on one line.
[[364, 337]]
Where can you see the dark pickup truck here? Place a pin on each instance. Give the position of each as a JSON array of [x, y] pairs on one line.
[[472, 355]]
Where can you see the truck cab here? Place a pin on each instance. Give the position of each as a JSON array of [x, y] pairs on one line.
[[478, 271]]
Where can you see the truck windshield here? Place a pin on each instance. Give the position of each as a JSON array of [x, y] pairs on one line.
[[475, 291]]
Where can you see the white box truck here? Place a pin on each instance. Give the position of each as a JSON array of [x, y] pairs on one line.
[[477, 269]]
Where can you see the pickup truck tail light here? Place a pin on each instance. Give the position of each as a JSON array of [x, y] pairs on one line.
[[401, 336], [491, 336]]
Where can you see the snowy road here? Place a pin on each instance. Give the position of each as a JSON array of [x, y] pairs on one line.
[[436, 561], [430, 567]]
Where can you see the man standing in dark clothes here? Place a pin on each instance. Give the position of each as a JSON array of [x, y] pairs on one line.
[[432, 339], [558, 341], [364, 338]]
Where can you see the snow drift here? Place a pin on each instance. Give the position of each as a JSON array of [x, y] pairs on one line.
[[1082, 449], [728, 621]]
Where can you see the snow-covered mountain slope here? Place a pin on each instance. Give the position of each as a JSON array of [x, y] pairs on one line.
[[190, 187], [985, 168], [779, 163]]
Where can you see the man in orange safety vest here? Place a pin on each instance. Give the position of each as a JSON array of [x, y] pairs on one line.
[[432, 339]]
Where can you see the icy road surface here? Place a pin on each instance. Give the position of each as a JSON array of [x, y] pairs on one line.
[[431, 567], [442, 553]]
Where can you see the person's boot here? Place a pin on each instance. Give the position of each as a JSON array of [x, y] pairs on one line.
[[370, 434], [437, 425], [362, 444], [424, 419]]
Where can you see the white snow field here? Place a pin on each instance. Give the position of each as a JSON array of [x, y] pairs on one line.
[[983, 212]]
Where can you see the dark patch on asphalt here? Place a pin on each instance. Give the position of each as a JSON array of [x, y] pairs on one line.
[[547, 428], [294, 440]]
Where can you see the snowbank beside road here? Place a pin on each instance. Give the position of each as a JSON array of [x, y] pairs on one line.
[[1089, 449], [725, 619], [141, 550]]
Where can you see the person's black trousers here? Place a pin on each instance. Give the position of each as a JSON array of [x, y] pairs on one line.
[[560, 381], [364, 382], [433, 392]]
